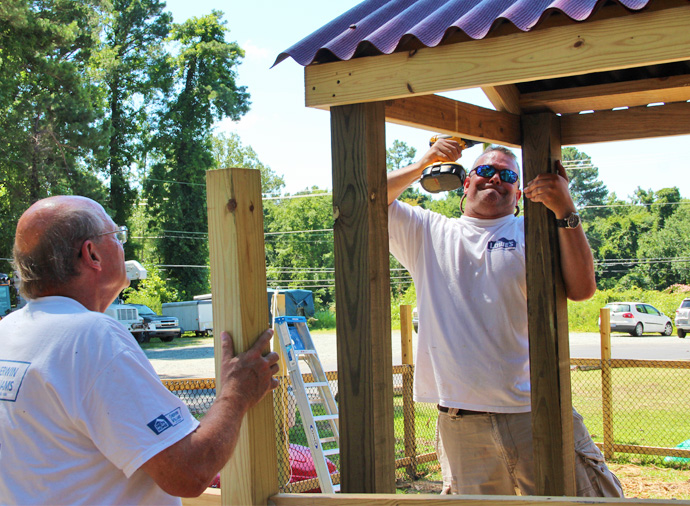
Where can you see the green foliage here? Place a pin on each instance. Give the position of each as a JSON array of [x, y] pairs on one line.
[[323, 320], [152, 291], [583, 316]]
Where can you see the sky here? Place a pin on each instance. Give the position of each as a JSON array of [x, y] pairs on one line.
[[294, 141]]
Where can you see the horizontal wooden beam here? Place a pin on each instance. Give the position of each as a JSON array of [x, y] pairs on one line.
[[631, 40], [608, 96], [504, 98], [445, 115], [447, 500], [634, 123]]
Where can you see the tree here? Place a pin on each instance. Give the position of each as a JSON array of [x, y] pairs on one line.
[[585, 187], [204, 91], [400, 155], [50, 103], [228, 151], [131, 58]]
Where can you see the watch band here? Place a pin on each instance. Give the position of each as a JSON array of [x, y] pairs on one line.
[[570, 221]]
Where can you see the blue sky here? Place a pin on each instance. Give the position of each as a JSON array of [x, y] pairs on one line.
[[295, 141]]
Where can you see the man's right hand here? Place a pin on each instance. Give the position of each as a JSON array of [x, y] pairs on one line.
[[248, 376]]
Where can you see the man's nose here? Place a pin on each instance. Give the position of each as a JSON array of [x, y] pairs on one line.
[[496, 178]]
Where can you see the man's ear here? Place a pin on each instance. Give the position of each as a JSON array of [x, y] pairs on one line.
[[90, 255]]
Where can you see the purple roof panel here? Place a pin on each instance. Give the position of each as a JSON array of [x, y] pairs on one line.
[[383, 24]]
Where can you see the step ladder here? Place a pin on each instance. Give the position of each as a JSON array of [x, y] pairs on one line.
[[297, 346]]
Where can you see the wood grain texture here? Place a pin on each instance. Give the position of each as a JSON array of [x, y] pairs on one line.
[[504, 98], [633, 123], [445, 115], [552, 419], [362, 292], [625, 41], [609, 96], [451, 500], [240, 306]]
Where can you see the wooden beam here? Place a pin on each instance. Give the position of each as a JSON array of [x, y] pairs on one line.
[[445, 115], [609, 96], [362, 293], [632, 40], [240, 306], [451, 500], [504, 98], [552, 417], [633, 123]]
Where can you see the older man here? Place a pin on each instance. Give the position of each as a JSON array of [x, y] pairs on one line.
[[473, 348], [83, 417]]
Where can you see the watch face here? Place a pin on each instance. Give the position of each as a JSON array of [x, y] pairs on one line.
[[573, 220]]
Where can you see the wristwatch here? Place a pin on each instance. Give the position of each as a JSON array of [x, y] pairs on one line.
[[570, 221]]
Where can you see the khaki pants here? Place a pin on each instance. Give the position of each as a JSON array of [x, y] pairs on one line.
[[491, 454]]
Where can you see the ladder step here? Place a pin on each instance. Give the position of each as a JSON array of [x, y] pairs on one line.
[[305, 352], [336, 488], [317, 384], [331, 439], [332, 451], [325, 417]]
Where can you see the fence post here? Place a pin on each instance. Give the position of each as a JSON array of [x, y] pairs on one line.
[[606, 386], [408, 402]]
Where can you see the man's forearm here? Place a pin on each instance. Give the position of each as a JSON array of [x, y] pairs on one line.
[[401, 179], [577, 264]]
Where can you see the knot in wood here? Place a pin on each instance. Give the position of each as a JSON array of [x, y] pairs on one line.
[[579, 43], [231, 205], [372, 196]]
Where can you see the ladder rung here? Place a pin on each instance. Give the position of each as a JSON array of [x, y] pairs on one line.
[[336, 488], [332, 451], [317, 384], [321, 418], [305, 352], [331, 439]]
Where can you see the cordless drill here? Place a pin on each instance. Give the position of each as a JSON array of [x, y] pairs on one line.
[[445, 176]]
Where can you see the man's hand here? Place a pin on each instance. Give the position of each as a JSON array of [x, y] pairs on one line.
[[247, 377], [552, 191], [443, 150]]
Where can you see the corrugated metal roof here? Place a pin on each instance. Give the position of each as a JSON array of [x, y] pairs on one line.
[[381, 26]]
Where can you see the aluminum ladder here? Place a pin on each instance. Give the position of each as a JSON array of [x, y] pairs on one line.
[[297, 346]]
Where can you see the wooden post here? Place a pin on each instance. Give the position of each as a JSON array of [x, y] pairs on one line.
[[410, 433], [552, 417], [240, 306], [606, 385], [362, 289]]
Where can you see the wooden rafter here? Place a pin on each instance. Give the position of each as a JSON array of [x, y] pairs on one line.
[[504, 98], [608, 96], [445, 115], [637, 40]]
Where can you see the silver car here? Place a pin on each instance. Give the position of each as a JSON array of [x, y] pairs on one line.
[[683, 318], [636, 318]]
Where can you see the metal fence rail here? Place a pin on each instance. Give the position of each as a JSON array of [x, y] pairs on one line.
[[630, 406]]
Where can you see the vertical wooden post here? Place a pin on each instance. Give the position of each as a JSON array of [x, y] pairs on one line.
[[240, 306], [606, 384], [410, 433], [552, 418], [362, 290]]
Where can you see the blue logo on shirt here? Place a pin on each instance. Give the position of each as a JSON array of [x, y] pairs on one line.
[[164, 422], [502, 243]]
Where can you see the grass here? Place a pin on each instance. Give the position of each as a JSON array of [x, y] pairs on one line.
[[181, 342]]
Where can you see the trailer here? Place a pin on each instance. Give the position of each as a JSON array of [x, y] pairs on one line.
[[193, 315]]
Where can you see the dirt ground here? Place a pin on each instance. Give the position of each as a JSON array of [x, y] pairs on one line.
[[639, 481]]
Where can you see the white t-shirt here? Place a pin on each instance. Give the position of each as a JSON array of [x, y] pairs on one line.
[[473, 347], [81, 409]]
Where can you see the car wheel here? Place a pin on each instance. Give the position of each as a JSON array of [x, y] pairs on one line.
[[639, 329], [681, 333], [668, 330], [138, 337], [167, 339]]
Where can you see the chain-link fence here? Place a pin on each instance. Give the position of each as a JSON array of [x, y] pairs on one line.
[[629, 406]]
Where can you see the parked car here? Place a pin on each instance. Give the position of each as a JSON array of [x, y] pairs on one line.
[[636, 318], [166, 328], [128, 316], [683, 318]]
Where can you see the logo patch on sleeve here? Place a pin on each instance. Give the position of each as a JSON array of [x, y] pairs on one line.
[[163, 422], [502, 243]]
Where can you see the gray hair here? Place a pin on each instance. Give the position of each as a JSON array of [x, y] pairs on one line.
[[501, 149], [53, 261]]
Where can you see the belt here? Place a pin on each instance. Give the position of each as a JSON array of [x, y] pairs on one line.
[[461, 412]]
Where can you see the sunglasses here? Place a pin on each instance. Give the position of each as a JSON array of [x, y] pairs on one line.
[[488, 171], [120, 234]]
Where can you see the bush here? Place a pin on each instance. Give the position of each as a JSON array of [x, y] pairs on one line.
[[323, 320]]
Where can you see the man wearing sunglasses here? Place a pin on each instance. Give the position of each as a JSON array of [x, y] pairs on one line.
[[472, 356], [84, 418]]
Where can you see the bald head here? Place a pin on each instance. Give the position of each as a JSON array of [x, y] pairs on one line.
[[49, 235]]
